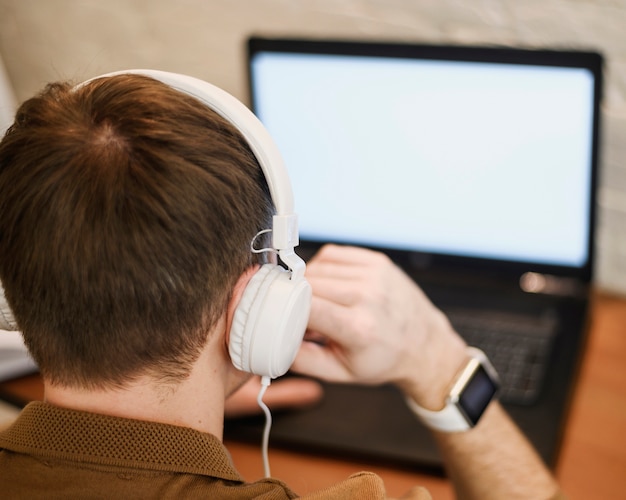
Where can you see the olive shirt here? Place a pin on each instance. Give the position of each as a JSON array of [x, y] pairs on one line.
[[51, 452]]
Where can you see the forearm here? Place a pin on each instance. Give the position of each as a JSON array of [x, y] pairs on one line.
[[494, 460], [380, 327]]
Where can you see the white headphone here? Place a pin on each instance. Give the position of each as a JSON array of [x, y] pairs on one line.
[[271, 318]]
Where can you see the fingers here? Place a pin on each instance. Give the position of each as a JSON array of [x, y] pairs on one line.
[[348, 255], [349, 285], [342, 274], [334, 321], [321, 362], [369, 311], [333, 288], [345, 262]]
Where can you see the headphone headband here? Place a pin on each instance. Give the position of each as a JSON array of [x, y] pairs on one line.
[[285, 223]]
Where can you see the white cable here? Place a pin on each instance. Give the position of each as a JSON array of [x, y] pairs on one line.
[[261, 250], [265, 382]]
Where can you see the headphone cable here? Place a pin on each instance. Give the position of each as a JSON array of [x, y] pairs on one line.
[[265, 382]]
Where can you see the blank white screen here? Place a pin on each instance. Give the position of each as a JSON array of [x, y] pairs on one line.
[[474, 159]]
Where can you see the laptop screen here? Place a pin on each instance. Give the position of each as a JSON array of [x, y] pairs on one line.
[[480, 153]]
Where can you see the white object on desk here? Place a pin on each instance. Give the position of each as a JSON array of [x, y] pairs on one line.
[[8, 103], [14, 358]]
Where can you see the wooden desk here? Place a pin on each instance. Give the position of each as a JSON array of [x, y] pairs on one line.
[[593, 457]]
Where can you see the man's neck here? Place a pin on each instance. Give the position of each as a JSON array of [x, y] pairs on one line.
[[197, 402]]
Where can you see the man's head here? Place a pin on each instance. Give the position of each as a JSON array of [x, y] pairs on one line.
[[126, 215]]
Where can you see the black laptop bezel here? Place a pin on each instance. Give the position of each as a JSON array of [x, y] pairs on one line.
[[419, 262]]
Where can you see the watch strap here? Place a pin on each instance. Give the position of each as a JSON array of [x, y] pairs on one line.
[[450, 418]]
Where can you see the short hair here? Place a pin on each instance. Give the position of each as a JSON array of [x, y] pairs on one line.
[[127, 210]]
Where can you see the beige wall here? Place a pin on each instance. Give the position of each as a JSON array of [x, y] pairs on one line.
[[43, 40]]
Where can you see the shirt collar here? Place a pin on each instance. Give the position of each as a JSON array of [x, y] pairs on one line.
[[50, 431]]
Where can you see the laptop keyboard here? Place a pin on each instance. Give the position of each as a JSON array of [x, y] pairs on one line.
[[517, 345]]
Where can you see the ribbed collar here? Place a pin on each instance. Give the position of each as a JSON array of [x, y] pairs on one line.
[[52, 432]]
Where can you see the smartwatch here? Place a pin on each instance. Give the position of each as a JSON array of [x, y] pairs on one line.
[[472, 390]]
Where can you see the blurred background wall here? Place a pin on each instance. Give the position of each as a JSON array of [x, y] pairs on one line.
[[44, 40]]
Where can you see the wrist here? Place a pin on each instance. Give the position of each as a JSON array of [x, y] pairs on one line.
[[429, 386], [472, 391]]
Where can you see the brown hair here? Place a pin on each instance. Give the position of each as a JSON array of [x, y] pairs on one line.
[[127, 210]]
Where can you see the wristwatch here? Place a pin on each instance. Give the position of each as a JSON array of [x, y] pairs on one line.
[[473, 389]]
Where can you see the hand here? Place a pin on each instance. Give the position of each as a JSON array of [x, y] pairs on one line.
[[282, 393], [371, 323], [376, 326]]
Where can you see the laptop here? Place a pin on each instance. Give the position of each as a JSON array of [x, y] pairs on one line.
[[475, 170]]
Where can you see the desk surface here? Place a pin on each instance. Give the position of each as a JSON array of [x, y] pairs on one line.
[[592, 463]]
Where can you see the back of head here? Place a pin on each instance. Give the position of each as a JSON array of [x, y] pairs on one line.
[[126, 214]]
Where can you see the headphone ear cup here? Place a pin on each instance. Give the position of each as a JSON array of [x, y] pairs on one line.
[[269, 322]]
